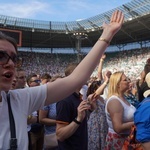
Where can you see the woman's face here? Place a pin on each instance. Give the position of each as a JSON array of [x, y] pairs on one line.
[[7, 70], [124, 83]]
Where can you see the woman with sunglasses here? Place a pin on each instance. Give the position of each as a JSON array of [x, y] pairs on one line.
[[27, 100]]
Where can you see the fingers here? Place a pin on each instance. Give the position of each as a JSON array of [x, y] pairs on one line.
[[114, 16], [83, 105], [122, 18], [91, 97], [117, 16]]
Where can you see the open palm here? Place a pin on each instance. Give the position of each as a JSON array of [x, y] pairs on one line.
[[115, 24]]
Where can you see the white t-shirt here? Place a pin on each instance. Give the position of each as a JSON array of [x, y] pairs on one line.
[[23, 103]]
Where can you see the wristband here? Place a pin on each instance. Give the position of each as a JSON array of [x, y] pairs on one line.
[[76, 121], [102, 39], [105, 83], [101, 60]]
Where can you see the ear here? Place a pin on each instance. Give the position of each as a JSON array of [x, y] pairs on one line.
[[118, 85]]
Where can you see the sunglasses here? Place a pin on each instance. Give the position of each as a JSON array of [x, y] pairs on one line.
[[4, 58], [36, 81]]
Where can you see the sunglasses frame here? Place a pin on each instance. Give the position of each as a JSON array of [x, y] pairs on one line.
[[15, 59], [36, 81]]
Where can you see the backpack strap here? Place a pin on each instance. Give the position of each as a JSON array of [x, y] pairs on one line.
[[13, 140]]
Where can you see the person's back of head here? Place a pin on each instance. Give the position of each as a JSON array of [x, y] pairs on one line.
[[55, 78], [70, 68], [45, 78], [93, 87]]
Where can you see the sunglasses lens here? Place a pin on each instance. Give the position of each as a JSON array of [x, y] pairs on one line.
[[37, 81], [3, 58]]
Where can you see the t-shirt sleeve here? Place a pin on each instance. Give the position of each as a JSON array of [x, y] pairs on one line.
[[31, 99]]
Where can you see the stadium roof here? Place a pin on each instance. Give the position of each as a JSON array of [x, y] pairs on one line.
[[48, 34]]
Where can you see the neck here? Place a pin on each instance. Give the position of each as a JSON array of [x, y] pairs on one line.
[[77, 91], [121, 95]]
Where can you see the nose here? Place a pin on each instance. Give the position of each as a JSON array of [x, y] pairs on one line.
[[10, 63], [15, 79]]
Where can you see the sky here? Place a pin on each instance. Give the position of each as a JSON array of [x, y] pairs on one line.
[[57, 10]]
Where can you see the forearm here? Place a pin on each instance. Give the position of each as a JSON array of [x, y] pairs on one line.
[[48, 121], [65, 132], [31, 119], [92, 59], [127, 125], [100, 90], [124, 127], [100, 69], [79, 76]]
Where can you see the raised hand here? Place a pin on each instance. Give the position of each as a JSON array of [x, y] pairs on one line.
[[82, 110], [115, 24], [103, 56]]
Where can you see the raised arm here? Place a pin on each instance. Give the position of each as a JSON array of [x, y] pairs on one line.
[[100, 67], [63, 87]]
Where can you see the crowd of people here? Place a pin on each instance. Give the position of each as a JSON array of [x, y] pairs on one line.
[[129, 61], [41, 103]]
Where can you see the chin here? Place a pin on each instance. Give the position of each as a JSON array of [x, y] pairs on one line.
[[5, 88]]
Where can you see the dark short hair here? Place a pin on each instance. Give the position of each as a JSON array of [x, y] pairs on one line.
[[46, 76], [9, 39], [93, 87], [69, 69], [55, 78], [30, 76]]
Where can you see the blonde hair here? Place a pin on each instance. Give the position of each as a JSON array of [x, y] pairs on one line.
[[147, 79], [114, 80]]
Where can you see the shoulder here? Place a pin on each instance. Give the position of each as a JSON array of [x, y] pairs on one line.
[[30, 90], [142, 114], [114, 103], [113, 99], [63, 103]]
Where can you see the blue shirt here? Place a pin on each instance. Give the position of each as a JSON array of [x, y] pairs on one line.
[[142, 121], [52, 115]]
